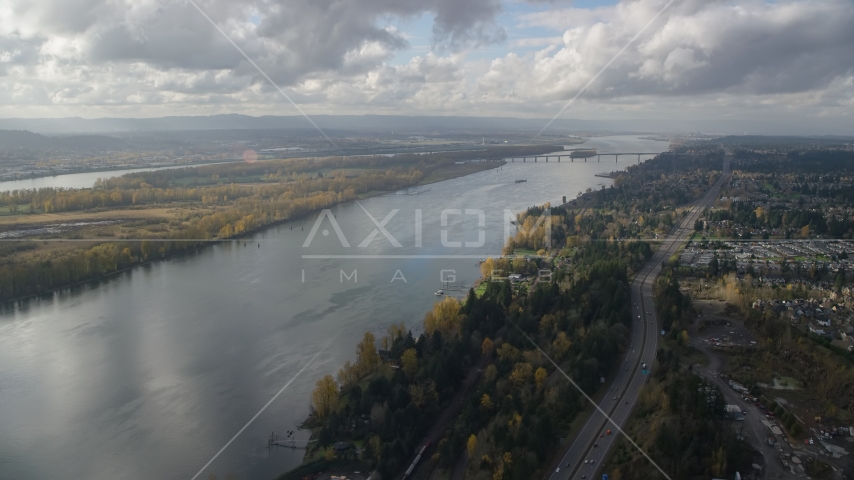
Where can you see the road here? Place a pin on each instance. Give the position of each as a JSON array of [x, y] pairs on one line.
[[753, 430], [593, 442]]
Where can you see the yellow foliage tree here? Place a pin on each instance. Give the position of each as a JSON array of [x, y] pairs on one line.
[[348, 375], [471, 445], [486, 402], [325, 396], [521, 373], [445, 317], [487, 267], [561, 345], [367, 358], [508, 352], [540, 376], [409, 359]]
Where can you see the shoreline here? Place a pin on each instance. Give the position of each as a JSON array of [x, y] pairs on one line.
[[216, 241], [112, 169]]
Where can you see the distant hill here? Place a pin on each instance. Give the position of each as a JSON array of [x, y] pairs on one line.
[[379, 123], [26, 140]]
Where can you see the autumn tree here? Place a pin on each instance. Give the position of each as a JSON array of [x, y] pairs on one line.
[[487, 267], [471, 445], [409, 359], [508, 352], [561, 346], [521, 373], [325, 396], [348, 375], [445, 317], [540, 376], [367, 358]]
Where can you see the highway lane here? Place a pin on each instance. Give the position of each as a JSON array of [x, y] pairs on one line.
[[593, 443]]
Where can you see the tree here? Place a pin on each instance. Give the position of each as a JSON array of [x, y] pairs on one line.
[[521, 373], [367, 358], [487, 347], [486, 402], [409, 359], [348, 375], [445, 317], [561, 345], [325, 396], [471, 445], [145, 248], [540, 376], [508, 352], [486, 267]]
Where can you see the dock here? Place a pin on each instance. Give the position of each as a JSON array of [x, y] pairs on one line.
[[274, 441]]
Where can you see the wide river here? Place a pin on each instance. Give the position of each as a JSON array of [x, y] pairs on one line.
[[149, 373]]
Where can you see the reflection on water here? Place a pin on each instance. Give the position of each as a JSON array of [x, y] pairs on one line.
[[148, 373]]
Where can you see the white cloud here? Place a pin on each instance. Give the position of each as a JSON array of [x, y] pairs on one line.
[[153, 57]]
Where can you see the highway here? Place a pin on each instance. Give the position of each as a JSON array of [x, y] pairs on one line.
[[593, 443]]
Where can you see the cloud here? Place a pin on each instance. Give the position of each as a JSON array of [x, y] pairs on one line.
[[296, 37], [700, 57], [703, 46]]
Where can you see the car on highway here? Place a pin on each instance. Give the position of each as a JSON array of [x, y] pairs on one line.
[[608, 432], [557, 470]]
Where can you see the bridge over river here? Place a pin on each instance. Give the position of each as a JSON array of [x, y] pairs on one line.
[[598, 156]]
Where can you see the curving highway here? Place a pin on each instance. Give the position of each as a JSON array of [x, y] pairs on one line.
[[583, 458]]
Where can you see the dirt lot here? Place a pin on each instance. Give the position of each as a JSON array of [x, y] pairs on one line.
[[714, 322], [718, 321]]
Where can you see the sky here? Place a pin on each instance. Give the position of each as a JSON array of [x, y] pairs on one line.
[[752, 66]]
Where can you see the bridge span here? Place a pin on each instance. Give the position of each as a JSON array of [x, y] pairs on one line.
[[598, 156]]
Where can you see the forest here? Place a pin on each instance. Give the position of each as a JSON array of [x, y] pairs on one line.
[[512, 418]]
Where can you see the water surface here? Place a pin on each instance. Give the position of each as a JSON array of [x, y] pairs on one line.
[[147, 374]]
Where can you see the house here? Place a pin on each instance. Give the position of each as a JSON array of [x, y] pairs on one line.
[[343, 449]]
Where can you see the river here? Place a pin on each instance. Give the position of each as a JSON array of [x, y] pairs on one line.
[[147, 374]]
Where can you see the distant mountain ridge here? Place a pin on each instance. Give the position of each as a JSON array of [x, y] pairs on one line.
[[379, 123], [26, 140]]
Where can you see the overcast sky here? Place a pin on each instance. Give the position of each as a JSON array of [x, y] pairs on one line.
[[701, 64]]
